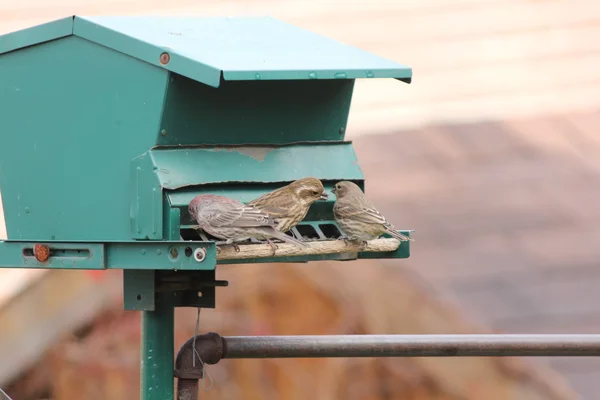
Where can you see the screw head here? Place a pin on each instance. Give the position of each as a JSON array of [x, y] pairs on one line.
[[199, 254], [164, 58], [163, 132], [342, 130], [41, 252]]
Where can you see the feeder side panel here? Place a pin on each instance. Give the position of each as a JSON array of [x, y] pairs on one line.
[[74, 114], [255, 112]]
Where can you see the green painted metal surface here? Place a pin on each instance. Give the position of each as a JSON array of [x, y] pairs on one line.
[[178, 168], [158, 350], [240, 48], [35, 35], [74, 114], [209, 49], [64, 256], [139, 290], [146, 200], [164, 255], [255, 112]]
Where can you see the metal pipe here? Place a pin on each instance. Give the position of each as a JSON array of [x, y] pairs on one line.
[[189, 362], [410, 346]]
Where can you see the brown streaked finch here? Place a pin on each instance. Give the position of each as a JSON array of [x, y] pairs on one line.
[[289, 204], [357, 217], [233, 221]]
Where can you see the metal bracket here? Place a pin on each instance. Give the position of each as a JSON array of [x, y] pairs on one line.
[[135, 255], [189, 288]]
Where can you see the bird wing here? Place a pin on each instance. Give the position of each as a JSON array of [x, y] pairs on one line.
[[274, 203], [236, 216], [366, 214]]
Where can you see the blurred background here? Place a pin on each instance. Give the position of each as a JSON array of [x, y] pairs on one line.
[[492, 155]]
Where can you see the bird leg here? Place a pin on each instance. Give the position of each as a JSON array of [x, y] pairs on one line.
[[346, 239], [273, 245], [228, 242], [349, 241]]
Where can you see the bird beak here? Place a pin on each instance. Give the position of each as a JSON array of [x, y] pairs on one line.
[[333, 190], [324, 196]]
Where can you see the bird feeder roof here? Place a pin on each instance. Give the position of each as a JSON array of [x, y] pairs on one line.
[[208, 49]]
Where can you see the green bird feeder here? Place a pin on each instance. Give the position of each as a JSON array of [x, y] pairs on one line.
[[111, 125]]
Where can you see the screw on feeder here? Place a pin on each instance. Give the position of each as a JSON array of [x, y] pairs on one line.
[[199, 254], [164, 58], [41, 252]]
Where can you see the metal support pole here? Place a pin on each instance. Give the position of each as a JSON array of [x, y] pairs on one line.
[[409, 346], [157, 356]]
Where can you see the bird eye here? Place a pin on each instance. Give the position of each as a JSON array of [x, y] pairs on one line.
[[316, 193], [337, 186]]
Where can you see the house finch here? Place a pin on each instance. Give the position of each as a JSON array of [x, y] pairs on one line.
[[357, 217], [289, 204], [233, 221]]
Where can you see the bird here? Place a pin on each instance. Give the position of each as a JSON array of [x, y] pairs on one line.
[[233, 221], [288, 205], [358, 218]]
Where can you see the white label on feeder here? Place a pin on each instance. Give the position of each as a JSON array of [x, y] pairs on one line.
[[3, 234]]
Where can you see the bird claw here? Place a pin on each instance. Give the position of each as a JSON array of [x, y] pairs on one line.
[[350, 242], [344, 238], [272, 245], [227, 243]]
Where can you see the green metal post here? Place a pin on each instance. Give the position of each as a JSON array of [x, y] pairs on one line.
[[158, 349]]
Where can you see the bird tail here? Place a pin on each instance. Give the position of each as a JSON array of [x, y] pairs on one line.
[[287, 238], [398, 235]]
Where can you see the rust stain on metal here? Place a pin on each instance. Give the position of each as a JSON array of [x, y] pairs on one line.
[[257, 153], [164, 58], [41, 252]]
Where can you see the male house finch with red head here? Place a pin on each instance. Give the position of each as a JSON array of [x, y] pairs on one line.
[[233, 221], [289, 204], [357, 217]]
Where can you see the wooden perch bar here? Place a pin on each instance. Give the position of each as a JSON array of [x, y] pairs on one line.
[[260, 250]]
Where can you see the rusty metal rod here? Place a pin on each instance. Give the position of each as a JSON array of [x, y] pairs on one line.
[[410, 346]]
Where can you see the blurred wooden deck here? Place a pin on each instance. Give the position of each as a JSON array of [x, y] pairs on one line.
[[507, 220]]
